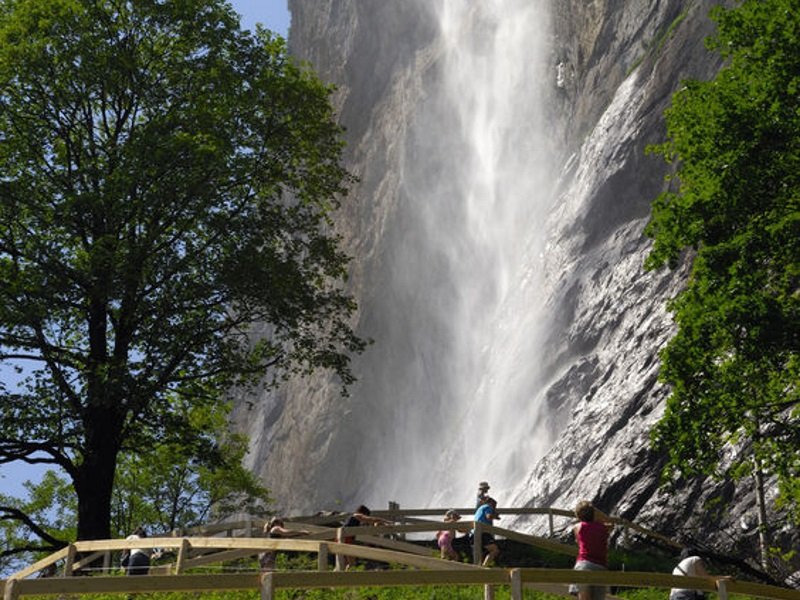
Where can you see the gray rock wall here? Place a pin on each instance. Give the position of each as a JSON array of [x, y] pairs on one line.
[[611, 69]]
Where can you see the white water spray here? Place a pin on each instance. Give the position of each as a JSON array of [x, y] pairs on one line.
[[478, 184]]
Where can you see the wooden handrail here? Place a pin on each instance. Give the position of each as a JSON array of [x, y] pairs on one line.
[[197, 551], [13, 589]]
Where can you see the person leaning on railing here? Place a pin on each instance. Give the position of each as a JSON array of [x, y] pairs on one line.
[[361, 516], [275, 528], [592, 536], [137, 561]]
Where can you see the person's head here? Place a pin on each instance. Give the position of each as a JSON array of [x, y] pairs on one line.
[[491, 502], [688, 551], [451, 515], [363, 510], [140, 531], [483, 487], [585, 511]]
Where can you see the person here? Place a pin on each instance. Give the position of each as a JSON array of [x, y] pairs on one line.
[[483, 493], [138, 559], [445, 537], [690, 565], [276, 528], [361, 516], [486, 513], [591, 534]]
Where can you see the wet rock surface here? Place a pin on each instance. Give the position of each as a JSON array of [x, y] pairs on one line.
[[614, 67]]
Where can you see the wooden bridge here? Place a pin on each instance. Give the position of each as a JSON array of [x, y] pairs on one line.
[[224, 542]]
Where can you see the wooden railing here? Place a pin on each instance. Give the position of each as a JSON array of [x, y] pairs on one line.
[[420, 567]]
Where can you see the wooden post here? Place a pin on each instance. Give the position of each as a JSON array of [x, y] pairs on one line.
[[340, 564], [477, 547], [267, 586], [70, 560], [396, 507], [322, 557], [12, 590], [183, 554], [107, 561], [488, 592], [550, 519], [249, 528], [722, 589], [516, 584]]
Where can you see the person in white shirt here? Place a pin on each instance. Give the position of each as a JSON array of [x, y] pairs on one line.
[[691, 565], [138, 562]]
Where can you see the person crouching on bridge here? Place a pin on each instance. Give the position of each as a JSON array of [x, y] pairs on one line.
[[592, 537]]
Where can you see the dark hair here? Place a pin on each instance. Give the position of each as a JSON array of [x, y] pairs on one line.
[[688, 551], [585, 511], [363, 510]]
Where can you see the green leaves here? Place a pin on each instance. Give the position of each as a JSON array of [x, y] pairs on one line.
[[732, 366], [165, 182]]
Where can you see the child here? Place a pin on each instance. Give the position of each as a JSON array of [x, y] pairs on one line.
[[444, 538]]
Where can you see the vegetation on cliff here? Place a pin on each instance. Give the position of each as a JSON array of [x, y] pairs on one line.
[[734, 364]]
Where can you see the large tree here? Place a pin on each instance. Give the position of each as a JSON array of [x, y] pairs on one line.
[[734, 363], [162, 488], [166, 180]]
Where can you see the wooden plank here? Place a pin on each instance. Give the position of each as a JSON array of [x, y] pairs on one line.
[[183, 555], [516, 585], [390, 556], [256, 544], [311, 579], [307, 579], [11, 589], [267, 587], [761, 590], [395, 545], [68, 563], [40, 564], [150, 583], [90, 559], [533, 540], [216, 557], [618, 578]]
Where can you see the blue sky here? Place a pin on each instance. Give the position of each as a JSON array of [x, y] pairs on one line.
[[274, 15]]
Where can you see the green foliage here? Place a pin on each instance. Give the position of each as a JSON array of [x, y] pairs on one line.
[[32, 526], [734, 364], [166, 181], [162, 489], [168, 487]]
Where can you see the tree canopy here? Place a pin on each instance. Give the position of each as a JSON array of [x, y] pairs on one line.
[[734, 364], [166, 181]]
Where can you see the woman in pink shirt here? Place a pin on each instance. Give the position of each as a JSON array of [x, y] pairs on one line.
[[592, 537]]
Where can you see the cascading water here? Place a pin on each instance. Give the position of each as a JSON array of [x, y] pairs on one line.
[[457, 165], [516, 333], [461, 382]]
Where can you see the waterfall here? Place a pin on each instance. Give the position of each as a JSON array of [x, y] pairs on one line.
[[516, 333], [462, 377]]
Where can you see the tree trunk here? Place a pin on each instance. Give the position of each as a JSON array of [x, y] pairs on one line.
[[95, 479], [763, 531]]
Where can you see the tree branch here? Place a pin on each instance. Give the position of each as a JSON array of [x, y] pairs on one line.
[[9, 513]]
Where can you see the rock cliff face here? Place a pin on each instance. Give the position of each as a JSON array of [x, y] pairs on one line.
[[496, 231]]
